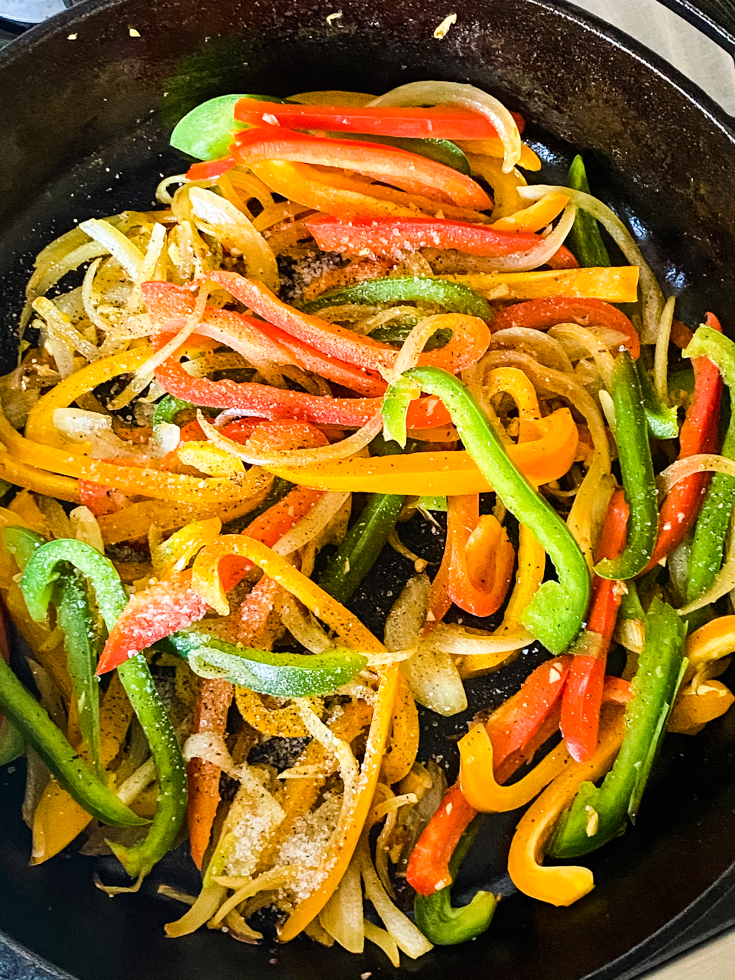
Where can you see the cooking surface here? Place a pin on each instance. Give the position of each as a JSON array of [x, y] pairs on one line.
[[13, 967]]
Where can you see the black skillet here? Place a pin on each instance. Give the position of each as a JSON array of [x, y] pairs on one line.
[[87, 103]]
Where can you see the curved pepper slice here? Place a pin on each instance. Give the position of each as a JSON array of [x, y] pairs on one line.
[[470, 336], [597, 815], [38, 583], [409, 171], [636, 467], [540, 314], [556, 612], [442, 473], [445, 925], [566, 884]]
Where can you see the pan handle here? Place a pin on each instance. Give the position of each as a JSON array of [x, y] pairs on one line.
[[715, 18]]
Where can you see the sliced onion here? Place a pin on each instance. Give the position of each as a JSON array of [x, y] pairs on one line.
[[348, 767], [537, 343], [313, 524], [272, 880], [468, 97], [64, 329], [95, 429], [661, 357], [134, 785], [652, 300], [462, 642], [589, 341], [700, 463], [85, 527], [117, 244], [541, 253], [219, 218], [304, 628], [592, 496], [208, 901], [342, 916]]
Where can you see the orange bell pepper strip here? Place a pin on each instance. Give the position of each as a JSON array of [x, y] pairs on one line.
[[699, 434], [213, 704], [173, 604], [470, 335], [206, 579], [481, 557], [540, 314], [580, 711], [389, 164], [615, 284], [560, 885], [39, 481], [694, 709], [541, 460]]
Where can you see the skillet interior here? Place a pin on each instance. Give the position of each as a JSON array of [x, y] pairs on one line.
[[90, 139]]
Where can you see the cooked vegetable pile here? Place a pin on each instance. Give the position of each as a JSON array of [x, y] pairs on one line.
[[351, 317]]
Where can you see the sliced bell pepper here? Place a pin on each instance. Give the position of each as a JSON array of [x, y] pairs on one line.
[[206, 130], [469, 340], [566, 884], [580, 710], [411, 289], [389, 164], [634, 453], [714, 517], [210, 169], [12, 742], [555, 613], [585, 239], [540, 314], [173, 604], [443, 473], [38, 583], [385, 236], [534, 217], [615, 285], [439, 122], [435, 915], [597, 815], [699, 434]]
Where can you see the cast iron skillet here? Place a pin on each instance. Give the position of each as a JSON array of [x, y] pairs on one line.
[[87, 106]]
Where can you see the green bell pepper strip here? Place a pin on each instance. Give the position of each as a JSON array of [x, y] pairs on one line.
[[585, 239], [661, 419], [396, 333], [74, 617], [710, 530], [206, 131], [660, 670], [168, 408], [453, 296], [38, 583], [439, 920], [284, 675], [636, 467], [556, 612], [361, 546]]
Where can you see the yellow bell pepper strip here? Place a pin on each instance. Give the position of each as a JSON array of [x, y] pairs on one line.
[[535, 217], [128, 478], [390, 164], [561, 885], [439, 921], [402, 744], [39, 481], [636, 467], [477, 780], [59, 818], [556, 612], [38, 583], [660, 669], [618, 284], [714, 517], [470, 335], [540, 314], [694, 709], [445, 473], [710, 642]]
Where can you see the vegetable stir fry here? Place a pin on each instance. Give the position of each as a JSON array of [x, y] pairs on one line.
[[351, 317]]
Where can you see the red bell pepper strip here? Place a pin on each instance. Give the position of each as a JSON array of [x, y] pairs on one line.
[[391, 165], [699, 434], [540, 314], [440, 122], [580, 710], [173, 604], [210, 169], [387, 235], [167, 304], [517, 729], [465, 348]]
